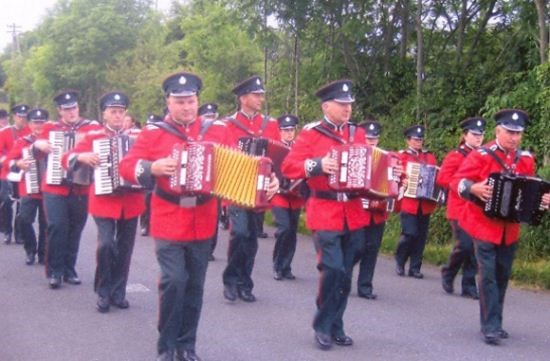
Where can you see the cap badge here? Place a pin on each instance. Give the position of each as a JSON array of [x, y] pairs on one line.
[[182, 80], [287, 119], [345, 88], [371, 127], [515, 116], [258, 82], [479, 123], [38, 113], [67, 96], [209, 107], [418, 130], [117, 97]]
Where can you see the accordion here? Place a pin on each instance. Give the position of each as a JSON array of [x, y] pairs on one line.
[[516, 198], [421, 183], [32, 175], [365, 170], [61, 143], [107, 177], [208, 168], [264, 147]]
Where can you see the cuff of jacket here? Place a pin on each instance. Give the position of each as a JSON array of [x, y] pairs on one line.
[[143, 174], [464, 187], [313, 167]]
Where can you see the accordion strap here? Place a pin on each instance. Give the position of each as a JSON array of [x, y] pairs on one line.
[[265, 121], [331, 135], [506, 168], [171, 129]]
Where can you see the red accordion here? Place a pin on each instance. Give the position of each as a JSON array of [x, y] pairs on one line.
[[365, 170]]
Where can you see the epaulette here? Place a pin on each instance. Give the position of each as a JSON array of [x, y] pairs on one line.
[[5, 127], [425, 151], [525, 153], [220, 122], [151, 127], [493, 147], [401, 151], [94, 122], [482, 151], [312, 125], [97, 131]]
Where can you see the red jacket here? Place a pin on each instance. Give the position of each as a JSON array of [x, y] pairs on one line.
[[124, 204], [450, 165], [311, 145], [80, 128], [254, 125], [8, 136], [169, 220], [14, 155], [411, 205], [476, 168]]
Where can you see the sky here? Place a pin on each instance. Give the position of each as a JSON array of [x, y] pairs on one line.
[[27, 14]]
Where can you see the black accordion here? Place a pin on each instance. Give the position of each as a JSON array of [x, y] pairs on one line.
[[422, 183], [516, 198], [107, 179], [264, 147]]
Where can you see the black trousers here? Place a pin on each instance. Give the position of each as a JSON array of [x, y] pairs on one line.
[[6, 208], [28, 209], [286, 222], [335, 255], [368, 255], [66, 216], [495, 267], [115, 244], [182, 272], [462, 255], [414, 233], [243, 246], [146, 215]]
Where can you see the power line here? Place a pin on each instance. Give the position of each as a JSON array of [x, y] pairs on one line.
[[13, 29]]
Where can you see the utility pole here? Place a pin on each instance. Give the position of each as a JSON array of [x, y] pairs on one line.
[[13, 29]]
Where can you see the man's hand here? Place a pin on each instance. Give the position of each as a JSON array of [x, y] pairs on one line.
[[329, 165], [164, 166], [273, 186], [546, 200], [482, 190], [90, 158], [22, 164], [43, 146]]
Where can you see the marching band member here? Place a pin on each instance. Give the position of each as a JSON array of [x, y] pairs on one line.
[[66, 204], [248, 121], [286, 208], [115, 214], [415, 214], [31, 204], [8, 136], [462, 254], [336, 218], [495, 240], [181, 224]]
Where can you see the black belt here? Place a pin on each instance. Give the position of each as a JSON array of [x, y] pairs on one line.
[[182, 201], [334, 196]]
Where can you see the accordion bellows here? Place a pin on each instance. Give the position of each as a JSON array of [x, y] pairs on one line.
[[365, 170], [208, 168]]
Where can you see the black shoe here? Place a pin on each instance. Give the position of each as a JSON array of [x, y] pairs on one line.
[[470, 294], [187, 355], [102, 305], [122, 304], [277, 275], [72, 280], [18, 240], [289, 275], [263, 235], [324, 342], [54, 282], [7, 238], [400, 270], [247, 296], [230, 292], [166, 356], [502, 333], [368, 296], [416, 274], [211, 258], [343, 340], [144, 231], [447, 285], [491, 338], [30, 259], [41, 260]]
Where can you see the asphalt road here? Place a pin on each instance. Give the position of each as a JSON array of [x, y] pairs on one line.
[[411, 320]]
